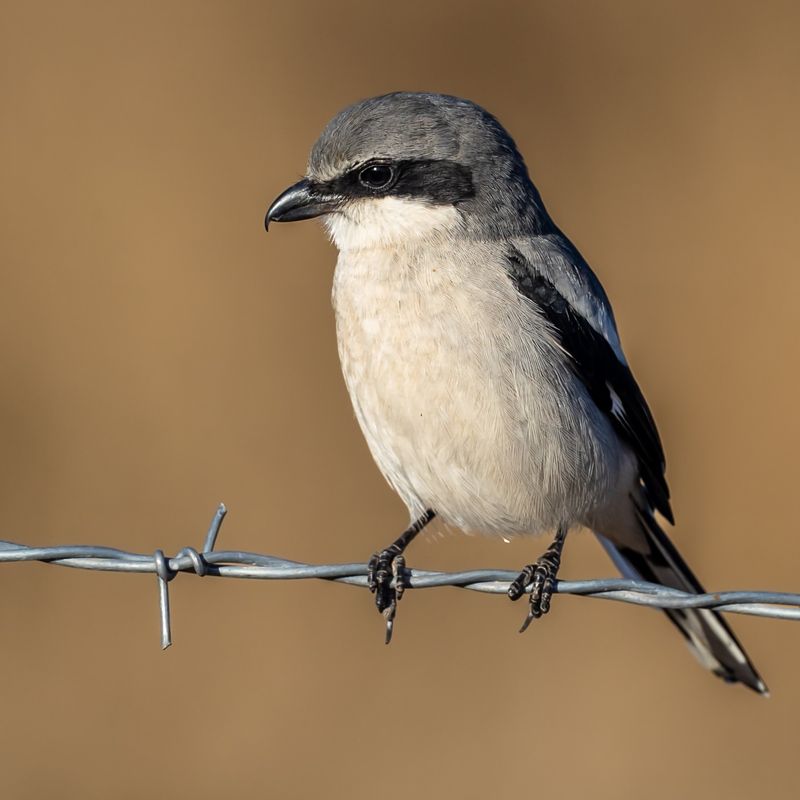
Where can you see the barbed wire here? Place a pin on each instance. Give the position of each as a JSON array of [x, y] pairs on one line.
[[241, 564]]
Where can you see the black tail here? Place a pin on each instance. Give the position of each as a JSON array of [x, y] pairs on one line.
[[707, 634]]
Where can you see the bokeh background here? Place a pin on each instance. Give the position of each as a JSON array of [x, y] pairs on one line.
[[160, 353]]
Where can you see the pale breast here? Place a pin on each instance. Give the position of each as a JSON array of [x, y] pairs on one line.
[[452, 380]]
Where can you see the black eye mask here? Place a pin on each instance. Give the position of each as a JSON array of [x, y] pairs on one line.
[[439, 182]]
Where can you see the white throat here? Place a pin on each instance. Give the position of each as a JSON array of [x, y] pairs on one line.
[[388, 221]]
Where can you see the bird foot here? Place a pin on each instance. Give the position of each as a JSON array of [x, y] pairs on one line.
[[541, 577], [386, 579]]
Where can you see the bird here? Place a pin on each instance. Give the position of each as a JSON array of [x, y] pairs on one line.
[[482, 357]]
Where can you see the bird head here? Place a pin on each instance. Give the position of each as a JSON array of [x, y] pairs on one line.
[[412, 165]]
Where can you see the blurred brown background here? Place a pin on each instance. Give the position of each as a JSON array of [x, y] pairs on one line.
[[160, 353]]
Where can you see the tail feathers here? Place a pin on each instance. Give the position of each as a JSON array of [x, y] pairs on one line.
[[707, 634]]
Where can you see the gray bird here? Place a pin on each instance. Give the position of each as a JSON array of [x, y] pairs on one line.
[[482, 357]]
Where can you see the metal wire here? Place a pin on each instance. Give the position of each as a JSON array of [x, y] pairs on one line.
[[240, 564]]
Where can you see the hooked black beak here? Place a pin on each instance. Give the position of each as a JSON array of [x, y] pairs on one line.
[[301, 201]]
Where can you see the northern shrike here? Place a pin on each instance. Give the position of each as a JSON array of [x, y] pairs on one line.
[[481, 354]]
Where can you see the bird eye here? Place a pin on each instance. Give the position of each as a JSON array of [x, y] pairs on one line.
[[376, 176]]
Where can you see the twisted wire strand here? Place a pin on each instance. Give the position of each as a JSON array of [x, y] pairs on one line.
[[242, 564]]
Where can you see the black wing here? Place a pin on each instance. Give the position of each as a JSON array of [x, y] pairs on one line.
[[608, 380]]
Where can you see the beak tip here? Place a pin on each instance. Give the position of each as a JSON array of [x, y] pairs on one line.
[[300, 201]]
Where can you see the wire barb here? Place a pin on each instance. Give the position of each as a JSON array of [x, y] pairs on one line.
[[240, 564], [165, 575]]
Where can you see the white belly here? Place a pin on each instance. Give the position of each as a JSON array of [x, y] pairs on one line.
[[452, 378]]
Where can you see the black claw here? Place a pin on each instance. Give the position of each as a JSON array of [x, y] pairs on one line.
[[388, 615], [387, 577], [380, 572], [541, 577], [530, 618], [383, 568]]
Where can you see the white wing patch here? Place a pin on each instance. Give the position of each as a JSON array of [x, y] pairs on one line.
[[617, 409]]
